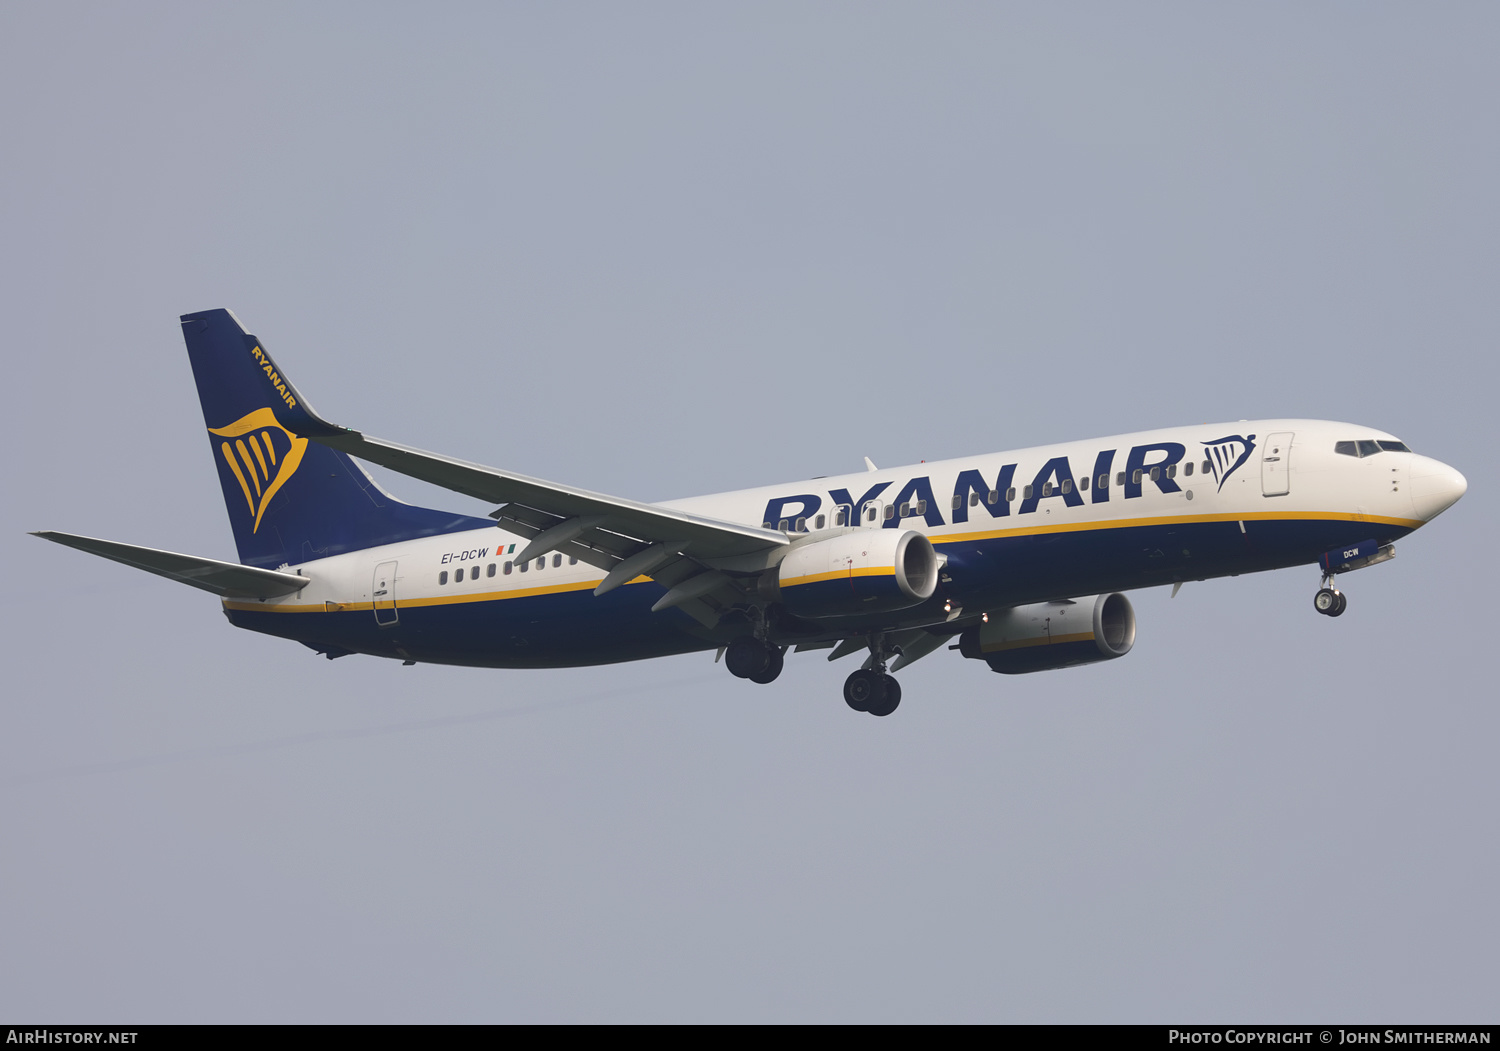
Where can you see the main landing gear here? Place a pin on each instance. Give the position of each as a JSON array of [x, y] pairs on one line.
[[870, 689], [751, 658], [1329, 600]]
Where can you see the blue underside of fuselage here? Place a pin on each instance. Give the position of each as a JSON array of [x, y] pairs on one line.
[[575, 628]]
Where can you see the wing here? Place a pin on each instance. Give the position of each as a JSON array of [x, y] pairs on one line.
[[227, 579], [697, 559]]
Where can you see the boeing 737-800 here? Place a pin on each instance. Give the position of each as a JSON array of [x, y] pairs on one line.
[[1017, 559]]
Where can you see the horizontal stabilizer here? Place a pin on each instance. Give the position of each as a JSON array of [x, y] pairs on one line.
[[228, 579]]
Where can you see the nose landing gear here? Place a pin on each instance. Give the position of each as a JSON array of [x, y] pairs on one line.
[[1329, 600]]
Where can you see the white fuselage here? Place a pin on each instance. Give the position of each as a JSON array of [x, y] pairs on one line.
[[1290, 474]]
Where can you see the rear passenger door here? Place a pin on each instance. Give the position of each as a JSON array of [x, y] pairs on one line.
[[383, 594]]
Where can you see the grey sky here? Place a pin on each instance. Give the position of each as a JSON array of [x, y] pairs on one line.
[[658, 250]]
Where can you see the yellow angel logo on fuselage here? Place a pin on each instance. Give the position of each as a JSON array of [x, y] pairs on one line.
[[262, 455]]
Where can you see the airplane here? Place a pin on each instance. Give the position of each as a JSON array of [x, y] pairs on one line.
[[1017, 559]]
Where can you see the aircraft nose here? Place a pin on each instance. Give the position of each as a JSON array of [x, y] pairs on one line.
[[1435, 487]]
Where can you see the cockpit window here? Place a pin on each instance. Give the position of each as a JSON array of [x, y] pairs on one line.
[[1369, 448]]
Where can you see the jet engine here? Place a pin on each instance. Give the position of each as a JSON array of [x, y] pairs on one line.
[[864, 571], [1047, 635]]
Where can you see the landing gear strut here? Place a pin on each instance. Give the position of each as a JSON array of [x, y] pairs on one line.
[[870, 689], [1329, 600]]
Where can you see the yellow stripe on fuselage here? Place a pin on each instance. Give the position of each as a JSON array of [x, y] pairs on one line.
[[948, 538], [436, 600], [1131, 523]]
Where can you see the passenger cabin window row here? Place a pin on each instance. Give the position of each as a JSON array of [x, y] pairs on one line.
[[1369, 448], [507, 568]]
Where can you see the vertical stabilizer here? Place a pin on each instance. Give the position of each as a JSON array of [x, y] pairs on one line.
[[290, 500]]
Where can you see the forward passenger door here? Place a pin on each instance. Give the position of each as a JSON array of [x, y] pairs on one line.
[[1276, 464]]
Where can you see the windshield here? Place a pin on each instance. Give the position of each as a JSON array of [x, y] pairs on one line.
[[1369, 448]]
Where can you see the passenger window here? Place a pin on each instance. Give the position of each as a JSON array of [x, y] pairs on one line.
[[906, 510], [1136, 477], [572, 560], [766, 525], [921, 507], [474, 573], [973, 499], [1187, 469], [1104, 481], [841, 516], [1028, 492], [1046, 488], [442, 578], [541, 563], [890, 512], [800, 526], [556, 561], [1155, 473], [523, 566], [1171, 470], [1083, 484], [870, 512], [783, 525], [1120, 477], [1207, 466], [818, 522], [489, 570], [992, 497], [1368, 448], [1067, 486], [1010, 495], [508, 567]]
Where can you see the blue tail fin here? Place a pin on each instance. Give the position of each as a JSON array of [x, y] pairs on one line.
[[290, 499]]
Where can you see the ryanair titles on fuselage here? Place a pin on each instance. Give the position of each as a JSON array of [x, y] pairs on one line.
[[1154, 464]]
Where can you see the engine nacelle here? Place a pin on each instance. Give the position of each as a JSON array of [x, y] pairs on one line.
[[864, 571], [1049, 635]]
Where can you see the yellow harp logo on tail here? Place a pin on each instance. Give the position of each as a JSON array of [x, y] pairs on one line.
[[262, 455]]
